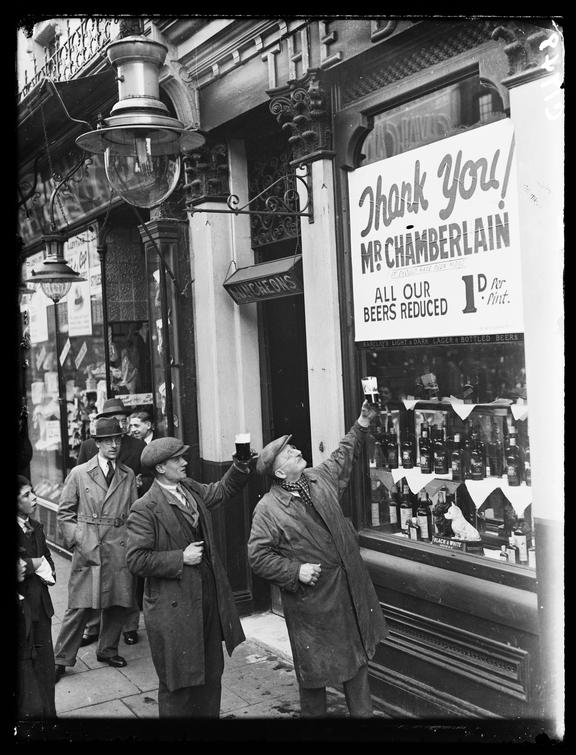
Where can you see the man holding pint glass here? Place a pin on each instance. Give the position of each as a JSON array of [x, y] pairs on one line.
[[188, 605]]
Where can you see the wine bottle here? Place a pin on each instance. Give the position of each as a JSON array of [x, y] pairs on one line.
[[391, 445], [407, 451], [513, 463], [405, 506], [393, 507], [527, 467], [439, 450], [425, 459], [495, 452], [376, 487], [456, 459], [414, 529], [424, 516], [477, 463]]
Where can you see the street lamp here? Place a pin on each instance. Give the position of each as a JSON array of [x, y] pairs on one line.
[[140, 141], [55, 277]]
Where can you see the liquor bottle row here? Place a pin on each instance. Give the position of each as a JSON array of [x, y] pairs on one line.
[[475, 452], [415, 516]]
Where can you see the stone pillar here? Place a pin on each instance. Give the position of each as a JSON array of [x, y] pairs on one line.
[[302, 110], [537, 111], [227, 355]]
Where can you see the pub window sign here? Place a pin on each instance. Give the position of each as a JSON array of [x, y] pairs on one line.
[[267, 280]]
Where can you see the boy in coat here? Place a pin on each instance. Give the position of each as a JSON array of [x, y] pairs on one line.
[[35, 651], [188, 604], [301, 542], [92, 513]]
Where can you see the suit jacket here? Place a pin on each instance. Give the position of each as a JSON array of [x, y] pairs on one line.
[[92, 519], [130, 452], [172, 601], [34, 590]]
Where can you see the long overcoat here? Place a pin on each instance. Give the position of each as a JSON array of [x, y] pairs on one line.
[[334, 626], [172, 602], [92, 518]]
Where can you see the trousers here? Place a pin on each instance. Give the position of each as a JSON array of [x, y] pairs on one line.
[[356, 691], [72, 629]]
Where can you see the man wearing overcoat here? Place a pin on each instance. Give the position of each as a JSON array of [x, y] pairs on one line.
[[188, 604], [92, 514], [301, 541]]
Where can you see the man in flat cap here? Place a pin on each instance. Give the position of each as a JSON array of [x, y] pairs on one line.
[[92, 514], [188, 605], [301, 541], [129, 453]]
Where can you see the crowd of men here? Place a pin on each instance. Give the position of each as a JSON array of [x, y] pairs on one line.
[[142, 539]]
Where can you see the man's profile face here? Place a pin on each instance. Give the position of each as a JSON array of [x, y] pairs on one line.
[[289, 463], [174, 469]]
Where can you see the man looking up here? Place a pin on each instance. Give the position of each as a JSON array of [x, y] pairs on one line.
[[302, 542]]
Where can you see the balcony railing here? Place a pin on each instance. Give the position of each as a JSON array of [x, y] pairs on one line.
[[82, 47]]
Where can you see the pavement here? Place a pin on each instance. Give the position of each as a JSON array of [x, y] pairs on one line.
[[258, 682]]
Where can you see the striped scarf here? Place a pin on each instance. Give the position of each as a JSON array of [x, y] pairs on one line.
[[301, 486]]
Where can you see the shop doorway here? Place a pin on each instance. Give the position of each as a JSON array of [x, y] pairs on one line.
[[285, 380]]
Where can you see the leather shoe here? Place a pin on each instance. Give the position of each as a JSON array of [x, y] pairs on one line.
[[88, 639], [131, 638], [59, 672], [116, 660]]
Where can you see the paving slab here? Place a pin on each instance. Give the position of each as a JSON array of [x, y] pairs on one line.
[[110, 709], [144, 705], [91, 687]]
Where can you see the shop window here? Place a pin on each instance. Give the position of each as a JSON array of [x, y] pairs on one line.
[[82, 361], [466, 104]]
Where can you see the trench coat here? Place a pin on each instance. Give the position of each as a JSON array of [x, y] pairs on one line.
[[334, 626], [92, 519], [172, 601]]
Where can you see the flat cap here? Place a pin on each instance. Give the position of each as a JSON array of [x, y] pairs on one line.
[[265, 463], [160, 450]]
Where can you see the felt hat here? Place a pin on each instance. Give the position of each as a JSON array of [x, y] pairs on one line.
[[113, 406], [265, 463], [106, 427], [160, 450]]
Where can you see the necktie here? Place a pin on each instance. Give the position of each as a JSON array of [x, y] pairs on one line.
[[109, 473], [28, 527]]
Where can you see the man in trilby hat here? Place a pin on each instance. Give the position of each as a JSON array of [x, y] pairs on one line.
[[188, 606], [301, 541], [92, 513], [129, 453]]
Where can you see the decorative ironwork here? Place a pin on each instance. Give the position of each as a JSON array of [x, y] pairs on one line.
[[206, 173], [302, 110], [82, 46], [450, 40]]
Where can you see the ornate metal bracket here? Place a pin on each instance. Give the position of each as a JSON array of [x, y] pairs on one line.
[[280, 202]]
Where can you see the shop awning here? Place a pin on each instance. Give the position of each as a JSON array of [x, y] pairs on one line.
[[267, 280], [51, 105]]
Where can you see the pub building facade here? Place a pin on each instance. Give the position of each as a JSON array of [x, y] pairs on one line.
[[376, 198]]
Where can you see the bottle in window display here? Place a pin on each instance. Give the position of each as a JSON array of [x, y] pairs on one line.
[[391, 444], [405, 506], [513, 462], [527, 467], [520, 540], [424, 516], [414, 532], [376, 495], [456, 462], [393, 507], [495, 452], [407, 450], [477, 461], [439, 450], [425, 459]]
